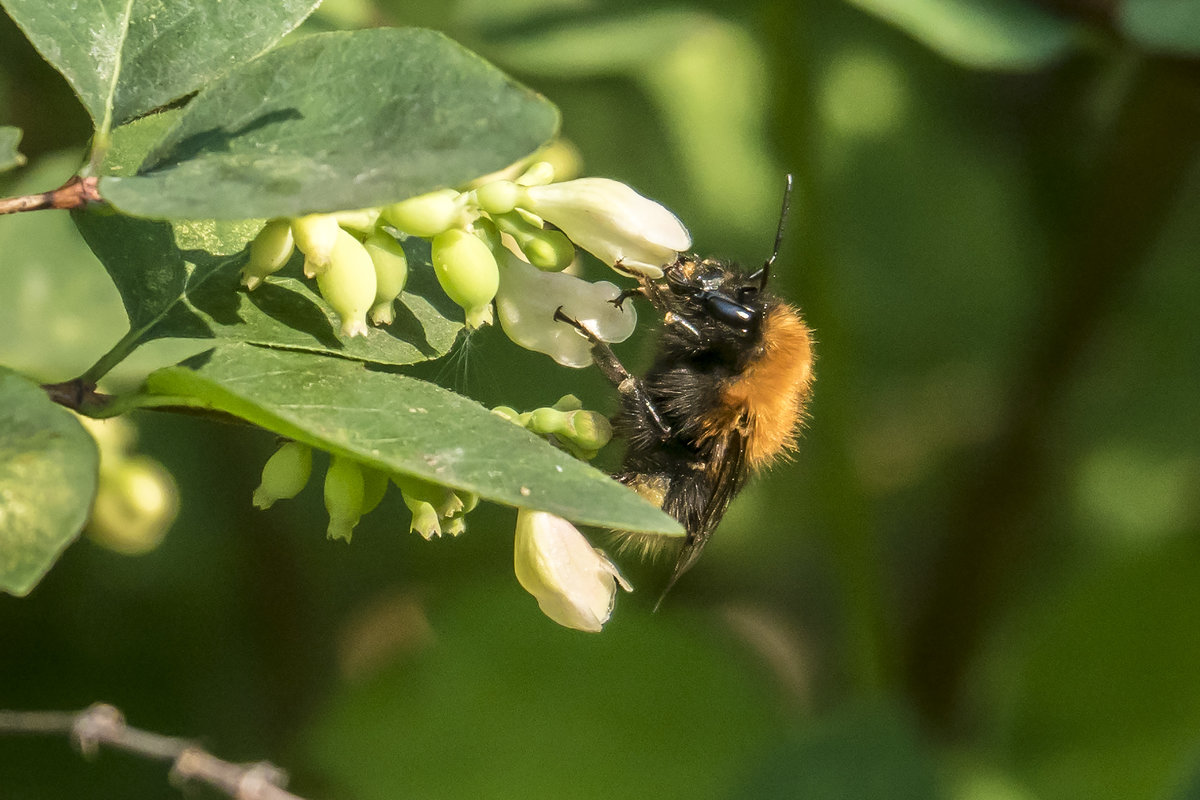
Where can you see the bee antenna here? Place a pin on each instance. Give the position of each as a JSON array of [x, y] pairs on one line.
[[765, 273]]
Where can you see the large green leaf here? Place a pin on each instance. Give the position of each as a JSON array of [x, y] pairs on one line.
[[126, 57], [401, 424], [988, 34], [48, 465], [10, 157], [337, 121], [1171, 26], [181, 280]]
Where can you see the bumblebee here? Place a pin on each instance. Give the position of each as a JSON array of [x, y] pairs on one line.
[[724, 398]]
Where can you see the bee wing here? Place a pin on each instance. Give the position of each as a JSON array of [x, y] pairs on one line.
[[723, 478]]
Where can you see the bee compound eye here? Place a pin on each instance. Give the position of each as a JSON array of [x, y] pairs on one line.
[[726, 310]]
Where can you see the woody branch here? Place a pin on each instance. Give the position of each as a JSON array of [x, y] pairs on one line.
[[103, 725]]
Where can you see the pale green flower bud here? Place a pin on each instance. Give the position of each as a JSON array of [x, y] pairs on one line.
[[546, 249], [375, 484], [427, 215], [568, 402], [455, 526], [429, 503], [363, 220], [467, 271], [547, 420], [284, 475], [574, 583], [509, 414], [269, 251], [391, 273], [136, 502], [315, 235], [612, 222], [468, 500], [425, 519], [348, 284], [498, 197], [589, 430], [344, 492], [539, 173], [529, 297]]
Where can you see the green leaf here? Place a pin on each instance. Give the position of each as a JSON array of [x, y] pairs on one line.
[[401, 424], [48, 466], [337, 121], [126, 57], [181, 280], [986, 34], [1169, 26], [10, 158]]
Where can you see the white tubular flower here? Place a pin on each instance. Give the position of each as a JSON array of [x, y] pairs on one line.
[[574, 583], [612, 222], [529, 297]]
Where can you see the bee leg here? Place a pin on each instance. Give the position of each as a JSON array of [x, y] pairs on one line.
[[615, 371], [619, 300]]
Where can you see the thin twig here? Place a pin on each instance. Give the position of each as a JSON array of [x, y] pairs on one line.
[[104, 725], [75, 193]]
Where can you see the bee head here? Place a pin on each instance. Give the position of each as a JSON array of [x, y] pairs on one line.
[[716, 292], [720, 293]]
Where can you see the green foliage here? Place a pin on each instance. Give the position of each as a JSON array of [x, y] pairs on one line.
[[124, 59], [987, 34], [253, 144], [181, 280], [48, 466], [400, 425]]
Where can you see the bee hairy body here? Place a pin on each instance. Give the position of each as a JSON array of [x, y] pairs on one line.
[[725, 396]]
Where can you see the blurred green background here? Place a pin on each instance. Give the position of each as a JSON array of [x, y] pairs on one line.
[[980, 578]]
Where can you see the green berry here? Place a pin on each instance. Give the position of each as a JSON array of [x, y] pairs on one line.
[[344, 492], [498, 197], [391, 273], [315, 235], [363, 220], [426, 215], [269, 251], [349, 284], [375, 483], [284, 475], [467, 271], [589, 430]]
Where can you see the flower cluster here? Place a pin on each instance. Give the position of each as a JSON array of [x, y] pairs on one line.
[[499, 249], [353, 489]]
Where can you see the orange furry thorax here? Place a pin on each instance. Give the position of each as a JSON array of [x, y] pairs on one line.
[[766, 400]]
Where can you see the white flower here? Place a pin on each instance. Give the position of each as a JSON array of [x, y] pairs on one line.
[[612, 222], [529, 297], [574, 583]]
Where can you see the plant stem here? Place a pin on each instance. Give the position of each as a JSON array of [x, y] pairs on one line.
[[104, 725], [75, 193]]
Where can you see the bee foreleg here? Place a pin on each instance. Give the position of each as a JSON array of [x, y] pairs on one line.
[[626, 382]]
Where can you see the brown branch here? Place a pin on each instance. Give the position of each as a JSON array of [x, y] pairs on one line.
[[75, 193], [103, 724]]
